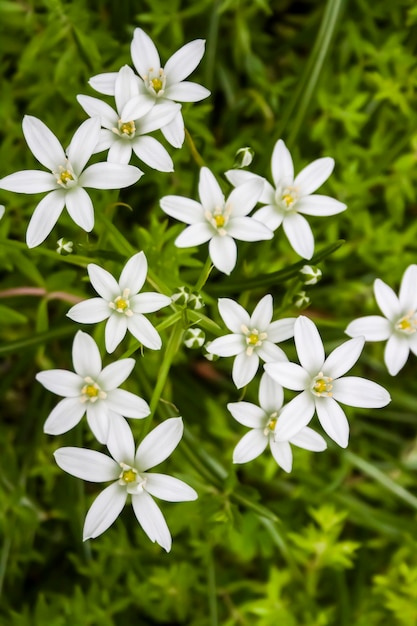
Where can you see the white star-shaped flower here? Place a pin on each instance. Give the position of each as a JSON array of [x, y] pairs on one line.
[[162, 85], [292, 197], [267, 426], [67, 177], [323, 384], [217, 220], [121, 304], [399, 326], [91, 390], [125, 128], [253, 337], [129, 472]]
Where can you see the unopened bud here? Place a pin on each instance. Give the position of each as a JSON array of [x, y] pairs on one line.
[[194, 338], [310, 274], [243, 157], [195, 301], [208, 355], [301, 300], [64, 247], [181, 296]]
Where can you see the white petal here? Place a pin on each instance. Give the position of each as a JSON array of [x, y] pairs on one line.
[[43, 143], [104, 83], [270, 216], [120, 151], [61, 382], [127, 404], [149, 302], [186, 92], [250, 446], [98, 419], [343, 358], [144, 54], [387, 300], [229, 345], [313, 176], [248, 229], [294, 416], [240, 177], [162, 114], [115, 374], [95, 107], [106, 140], [282, 453], [333, 420], [309, 345], [408, 289], [299, 234], [174, 132], [45, 217], [262, 314], [169, 488], [182, 209], [104, 511], [280, 330], [86, 464], [248, 414], [83, 143], [244, 368], [85, 355], [159, 443], [396, 353], [151, 519], [29, 181], [151, 152], [64, 416], [289, 375], [133, 275], [103, 282], [244, 197], [360, 392], [271, 394], [136, 107], [309, 440], [184, 61], [269, 352], [320, 206], [90, 311], [372, 327], [125, 89], [281, 165], [211, 195], [412, 342], [109, 176], [223, 253], [142, 329], [194, 235], [80, 208], [233, 315], [120, 441]]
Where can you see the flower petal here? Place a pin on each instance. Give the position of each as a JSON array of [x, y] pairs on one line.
[[120, 441], [142, 329], [45, 217], [98, 419], [87, 464], [115, 373], [159, 443], [262, 314], [269, 352], [228, 345], [43, 143], [299, 234], [61, 382], [133, 275], [104, 83], [289, 375], [83, 143], [186, 92], [120, 151], [90, 311], [149, 302], [169, 488], [396, 353], [309, 345], [194, 235], [269, 215], [109, 176], [343, 358], [408, 289], [282, 453], [151, 152], [313, 176], [233, 315], [144, 54], [387, 300], [280, 330], [174, 131], [182, 209], [333, 420], [127, 404], [95, 107], [320, 206], [86, 355], [223, 253], [243, 198], [281, 165], [125, 89], [308, 439], [103, 282], [294, 416], [248, 414], [244, 368], [271, 394], [67, 414], [211, 195], [151, 519], [360, 392], [372, 327], [250, 446], [184, 61], [105, 509], [80, 208], [29, 181], [248, 229]]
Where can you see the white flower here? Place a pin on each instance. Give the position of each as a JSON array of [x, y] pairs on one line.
[[292, 196], [253, 337], [124, 129], [67, 179], [162, 85], [129, 474], [399, 325], [91, 390], [321, 382], [121, 304], [267, 427], [217, 220]]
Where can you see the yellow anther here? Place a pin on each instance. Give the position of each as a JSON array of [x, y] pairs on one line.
[[288, 199], [129, 475], [91, 391], [220, 220], [121, 304], [127, 128], [156, 84], [322, 385], [253, 338], [407, 324]]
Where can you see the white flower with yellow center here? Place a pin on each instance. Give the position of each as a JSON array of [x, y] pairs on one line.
[[67, 177], [218, 220], [399, 326], [91, 390], [290, 197], [162, 84], [129, 472], [124, 129], [322, 383], [121, 304], [254, 337], [267, 426]]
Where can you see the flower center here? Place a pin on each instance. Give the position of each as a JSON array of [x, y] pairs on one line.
[[121, 304], [65, 176], [407, 324], [155, 81], [218, 219], [271, 423], [126, 129], [254, 338], [287, 198], [322, 385], [130, 478], [91, 391]]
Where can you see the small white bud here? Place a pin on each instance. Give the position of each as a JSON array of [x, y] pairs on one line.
[[301, 300], [181, 296], [64, 247], [243, 157], [194, 338], [310, 274]]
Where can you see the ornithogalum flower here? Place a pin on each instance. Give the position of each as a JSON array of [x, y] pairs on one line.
[[67, 177], [121, 304], [399, 326], [267, 426], [91, 390], [162, 85], [253, 337], [291, 197], [129, 472], [124, 130], [323, 384], [217, 220]]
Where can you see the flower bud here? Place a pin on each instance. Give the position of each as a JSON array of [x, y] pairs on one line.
[[181, 296], [64, 247], [310, 274], [243, 157], [194, 338], [208, 355], [195, 301], [301, 300]]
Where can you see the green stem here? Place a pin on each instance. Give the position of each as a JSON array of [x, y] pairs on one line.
[[194, 152], [205, 273]]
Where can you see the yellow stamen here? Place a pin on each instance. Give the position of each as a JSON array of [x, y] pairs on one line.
[[322, 385], [156, 84], [407, 324], [127, 128], [220, 220], [129, 475], [121, 304]]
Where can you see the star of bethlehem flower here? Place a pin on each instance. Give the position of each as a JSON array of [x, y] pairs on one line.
[[253, 337], [121, 304], [162, 85], [268, 427], [124, 129], [291, 197], [399, 326], [67, 177], [322, 382], [129, 472], [217, 220], [90, 390]]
